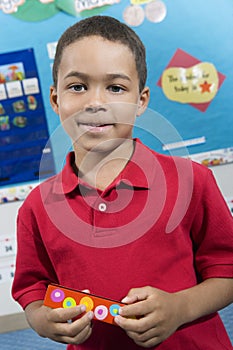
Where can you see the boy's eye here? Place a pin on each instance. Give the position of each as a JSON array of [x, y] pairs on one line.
[[78, 87], [116, 88]]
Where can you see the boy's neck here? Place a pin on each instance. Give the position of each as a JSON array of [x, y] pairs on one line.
[[100, 169]]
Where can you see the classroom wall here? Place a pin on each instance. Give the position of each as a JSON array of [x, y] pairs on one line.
[[202, 29]]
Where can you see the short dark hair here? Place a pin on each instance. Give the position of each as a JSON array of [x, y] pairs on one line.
[[110, 29]]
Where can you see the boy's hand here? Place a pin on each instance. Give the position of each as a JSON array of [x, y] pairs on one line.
[[160, 313], [56, 325], [157, 315]]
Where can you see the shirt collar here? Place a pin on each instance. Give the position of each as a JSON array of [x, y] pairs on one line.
[[137, 173], [66, 181], [139, 170]]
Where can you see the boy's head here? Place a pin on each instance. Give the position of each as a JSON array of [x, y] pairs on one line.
[[110, 29]]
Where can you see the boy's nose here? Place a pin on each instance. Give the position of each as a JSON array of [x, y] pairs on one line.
[[95, 109], [96, 102]]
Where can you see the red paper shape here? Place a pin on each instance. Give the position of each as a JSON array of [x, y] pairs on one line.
[[184, 60]]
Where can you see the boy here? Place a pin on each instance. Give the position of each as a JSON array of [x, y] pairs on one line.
[[120, 219]]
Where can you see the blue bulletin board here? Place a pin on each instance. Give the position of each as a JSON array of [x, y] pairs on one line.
[[23, 126], [177, 35]]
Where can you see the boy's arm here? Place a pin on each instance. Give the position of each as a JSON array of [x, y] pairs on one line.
[[160, 313], [55, 324], [207, 297]]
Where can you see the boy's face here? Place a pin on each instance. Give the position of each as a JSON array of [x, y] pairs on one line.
[[97, 95]]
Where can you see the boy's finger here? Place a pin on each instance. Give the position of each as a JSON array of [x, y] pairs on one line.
[[86, 291], [65, 314], [138, 309], [136, 294], [75, 336], [130, 299], [126, 323], [76, 328]]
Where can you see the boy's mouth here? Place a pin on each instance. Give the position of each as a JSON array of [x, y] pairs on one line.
[[94, 127]]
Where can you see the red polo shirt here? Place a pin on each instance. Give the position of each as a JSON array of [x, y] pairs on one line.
[[162, 222]]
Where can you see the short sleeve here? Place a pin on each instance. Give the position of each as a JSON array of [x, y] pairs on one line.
[[33, 267], [212, 233]]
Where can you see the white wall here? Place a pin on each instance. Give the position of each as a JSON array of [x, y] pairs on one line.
[[8, 214], [224, 177]]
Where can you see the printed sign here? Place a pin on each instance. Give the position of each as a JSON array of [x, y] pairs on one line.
[[197, 84], [187, 78], [75, 7]]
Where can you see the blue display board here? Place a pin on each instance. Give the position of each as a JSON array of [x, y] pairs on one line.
[[23, 125], [200, 30]]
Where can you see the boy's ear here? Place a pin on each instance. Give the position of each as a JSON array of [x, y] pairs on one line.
[[143, 101], [54, 99]]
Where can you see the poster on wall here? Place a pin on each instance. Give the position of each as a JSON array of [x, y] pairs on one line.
[[23, 127], [187, 80]]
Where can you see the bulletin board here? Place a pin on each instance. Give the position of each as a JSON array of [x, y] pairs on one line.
[[189, 55], [23, 126], [189, 46]]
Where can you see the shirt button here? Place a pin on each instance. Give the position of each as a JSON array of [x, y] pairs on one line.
[[102, 207]]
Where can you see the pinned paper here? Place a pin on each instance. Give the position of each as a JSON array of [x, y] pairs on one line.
[[7, 246], [31, 10], [39, 10], [197, 84], [10, 6], [182, 59], [139, 2], [214, 157], [134, 15], [7, 271], [81, 5], [153, 10], [75, 7], [156, 11]]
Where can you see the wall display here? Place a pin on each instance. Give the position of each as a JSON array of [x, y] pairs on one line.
[[32, 10], [15, 193], [23, 126], [179, 45], [84, 7], [213, 158], [139, 10], [188, 80], [40, 10]]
